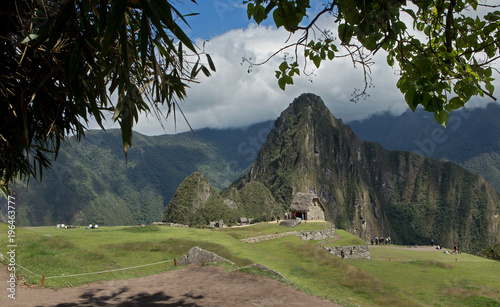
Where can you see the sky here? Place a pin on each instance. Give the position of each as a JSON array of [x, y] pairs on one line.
[[238, 95]]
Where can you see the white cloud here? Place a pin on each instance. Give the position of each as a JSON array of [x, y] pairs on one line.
[[233, 97]]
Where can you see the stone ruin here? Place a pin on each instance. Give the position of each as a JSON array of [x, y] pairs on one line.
[[199, 256], [350, 251]]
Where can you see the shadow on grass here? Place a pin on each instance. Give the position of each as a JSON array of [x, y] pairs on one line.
[[119, 298]]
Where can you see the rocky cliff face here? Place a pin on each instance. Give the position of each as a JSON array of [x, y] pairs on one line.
[[371, 191]]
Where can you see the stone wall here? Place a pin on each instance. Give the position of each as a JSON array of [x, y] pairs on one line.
[[304, 235], [316, 234], [350, 251], [268, 237], [315, 211]]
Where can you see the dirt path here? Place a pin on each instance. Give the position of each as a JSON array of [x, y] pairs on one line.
[[190, 286]]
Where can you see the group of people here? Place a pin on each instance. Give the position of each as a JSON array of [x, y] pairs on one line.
[[92, 226], [440, 247], [380, 240], [290, 216]]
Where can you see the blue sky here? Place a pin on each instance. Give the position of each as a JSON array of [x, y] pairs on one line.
[[216, 17], [238, 95]]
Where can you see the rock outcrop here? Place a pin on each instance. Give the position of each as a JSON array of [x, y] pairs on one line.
[[290, 223], [199, 256]]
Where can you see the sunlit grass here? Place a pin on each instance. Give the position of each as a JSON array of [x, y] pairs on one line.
[[344, 238], [411, 277], [434, 277]]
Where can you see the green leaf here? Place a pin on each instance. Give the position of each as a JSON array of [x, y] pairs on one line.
[[278, 20], [116, 19], [442, 117], [283, 66], [412, 99], [282, 83], [29, 38], [195, 70], [331, 55], [345, 33], [456, 103], [390, 59], [144, 35], [260, 14], [75, 57], [317, 61], [490, 88], [210, 62], [250, 10], [205, 71]]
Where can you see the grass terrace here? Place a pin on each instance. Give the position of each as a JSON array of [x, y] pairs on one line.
[[412, 277]]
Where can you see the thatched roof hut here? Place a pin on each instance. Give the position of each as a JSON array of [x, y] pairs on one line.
[[307, 206]]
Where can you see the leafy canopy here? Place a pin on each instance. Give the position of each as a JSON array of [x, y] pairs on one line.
[[62, 60], [444, 56]]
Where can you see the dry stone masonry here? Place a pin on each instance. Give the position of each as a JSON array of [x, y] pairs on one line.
[[304, 235], [350, 251]]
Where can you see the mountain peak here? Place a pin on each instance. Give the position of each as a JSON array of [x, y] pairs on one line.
[[314, 107], [367, 189]]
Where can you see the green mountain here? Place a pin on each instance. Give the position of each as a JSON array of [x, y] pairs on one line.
[[471, 138], [197, 203], [369, 190], [91, 182]]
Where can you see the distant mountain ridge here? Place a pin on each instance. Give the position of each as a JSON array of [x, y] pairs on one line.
[[91, 182], [471, 138]]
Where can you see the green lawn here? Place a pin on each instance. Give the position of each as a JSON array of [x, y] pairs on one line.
[[436, 278], [410, 278]]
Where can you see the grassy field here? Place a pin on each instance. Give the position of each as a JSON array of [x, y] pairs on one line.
[[410, 278]]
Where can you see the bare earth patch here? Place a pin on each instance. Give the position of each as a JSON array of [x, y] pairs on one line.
[[189, 286]]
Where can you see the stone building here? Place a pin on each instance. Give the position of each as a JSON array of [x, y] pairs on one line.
[[307, 206]]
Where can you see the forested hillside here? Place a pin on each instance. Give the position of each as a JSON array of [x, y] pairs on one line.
[[92, 182]]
